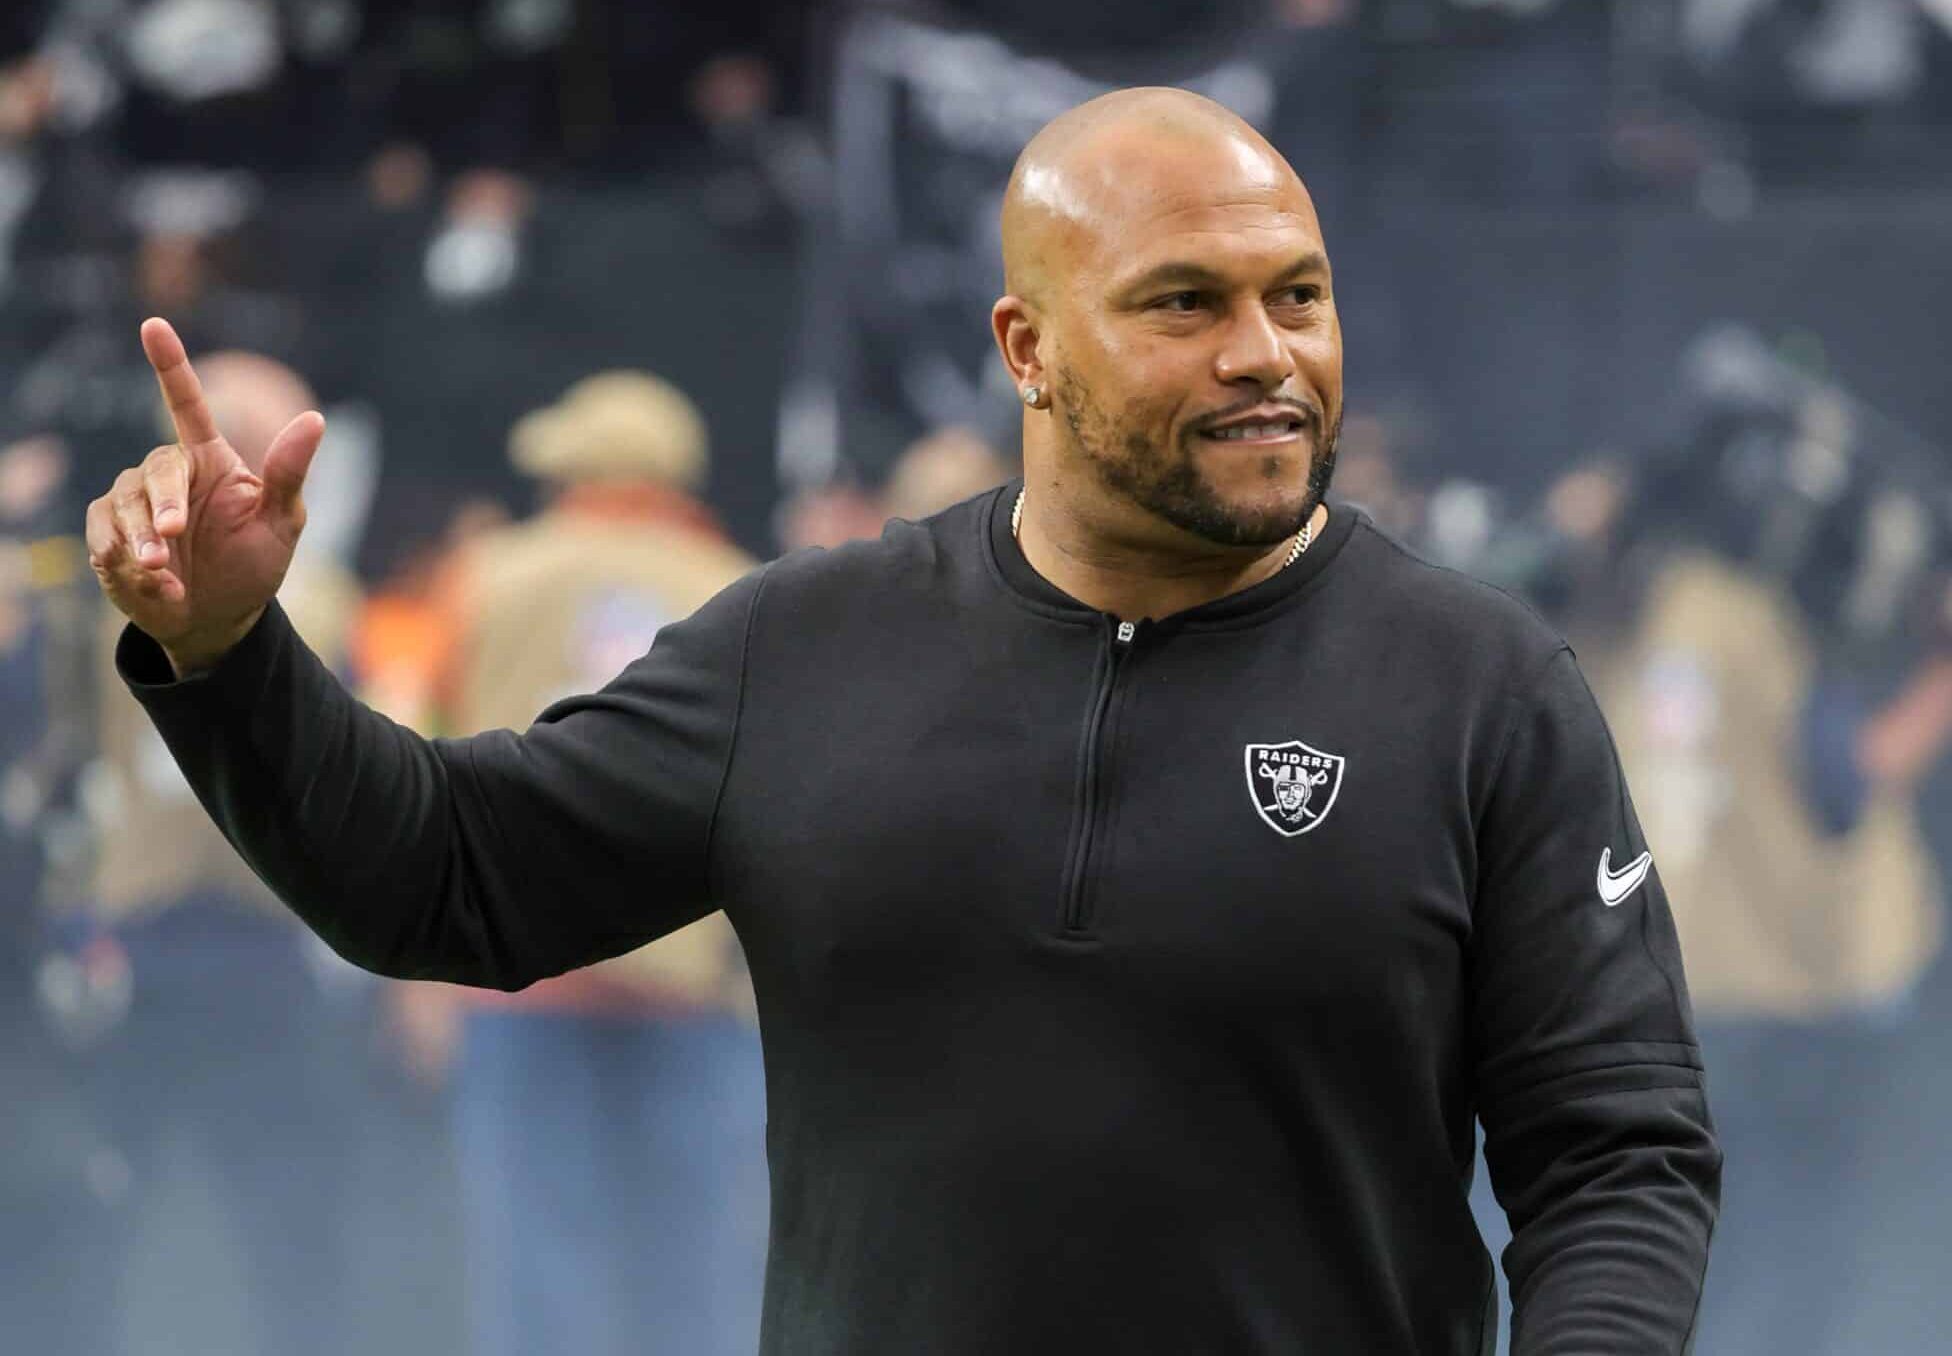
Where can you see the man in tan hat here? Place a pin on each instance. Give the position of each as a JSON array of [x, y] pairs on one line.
[[611, 1121]]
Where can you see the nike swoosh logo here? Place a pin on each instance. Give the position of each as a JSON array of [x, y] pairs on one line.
[[1616, 886]]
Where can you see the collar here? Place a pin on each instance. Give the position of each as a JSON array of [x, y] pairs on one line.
[[1018, 575]]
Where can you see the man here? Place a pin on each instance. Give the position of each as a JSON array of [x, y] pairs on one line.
[[1073, 1043], [610, 1121]]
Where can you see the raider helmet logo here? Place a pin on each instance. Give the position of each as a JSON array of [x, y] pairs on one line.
[[1293, 786]]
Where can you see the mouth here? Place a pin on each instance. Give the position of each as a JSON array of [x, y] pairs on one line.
[[1261, 434], [1271, 430]]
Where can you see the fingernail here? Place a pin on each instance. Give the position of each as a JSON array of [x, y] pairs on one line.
[[151, 550]]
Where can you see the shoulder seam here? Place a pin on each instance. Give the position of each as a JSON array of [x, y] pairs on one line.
[[712, 894], [1431, 565]]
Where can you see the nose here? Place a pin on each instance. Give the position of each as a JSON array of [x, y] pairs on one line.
[[1254, 350]]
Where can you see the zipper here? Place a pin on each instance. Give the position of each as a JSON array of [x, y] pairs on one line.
[[1076, 915]]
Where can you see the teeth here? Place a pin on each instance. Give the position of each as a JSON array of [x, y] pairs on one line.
[[1239, 431]]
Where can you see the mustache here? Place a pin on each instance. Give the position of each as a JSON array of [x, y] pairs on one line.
[[1305, 410]]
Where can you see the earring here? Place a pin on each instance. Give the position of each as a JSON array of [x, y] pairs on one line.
[[1033, 396]]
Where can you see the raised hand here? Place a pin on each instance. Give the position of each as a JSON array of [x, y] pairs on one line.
[[192, 544]]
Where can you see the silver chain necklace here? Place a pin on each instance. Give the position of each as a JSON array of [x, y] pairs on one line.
[[1302, 538]]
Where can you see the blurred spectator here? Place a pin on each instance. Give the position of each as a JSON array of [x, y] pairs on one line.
[[231, 1045], [26, 97], [403, 643], [1782, 919], [763, 161], [935, 471], [477, 250], [1370, 470], [610, 1121], [942, 469], [828, 515]]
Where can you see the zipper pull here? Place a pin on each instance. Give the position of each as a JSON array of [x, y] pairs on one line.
[[1126, 630]]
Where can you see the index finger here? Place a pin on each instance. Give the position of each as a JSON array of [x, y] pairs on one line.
[[166, 480], [181, 390]]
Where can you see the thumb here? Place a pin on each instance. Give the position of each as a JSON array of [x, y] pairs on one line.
[[288, 460]]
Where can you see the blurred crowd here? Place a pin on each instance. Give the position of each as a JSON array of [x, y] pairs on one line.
[[604, 302]]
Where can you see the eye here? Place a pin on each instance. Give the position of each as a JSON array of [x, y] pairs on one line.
[[1184, 303], [1302, 294]]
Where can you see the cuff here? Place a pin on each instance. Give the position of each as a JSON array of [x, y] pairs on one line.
[[146, 669]]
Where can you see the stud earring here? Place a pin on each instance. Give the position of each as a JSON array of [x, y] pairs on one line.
[[1033, 396]]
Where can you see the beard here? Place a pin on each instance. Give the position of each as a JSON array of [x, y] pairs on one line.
[[1168, 481]]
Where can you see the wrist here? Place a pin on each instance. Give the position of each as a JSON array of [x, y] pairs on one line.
[[192, 655]]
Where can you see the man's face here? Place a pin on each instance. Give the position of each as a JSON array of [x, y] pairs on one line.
[[1195, 354]]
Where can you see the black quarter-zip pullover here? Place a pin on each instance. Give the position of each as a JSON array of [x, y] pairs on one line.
[[1125, 988]]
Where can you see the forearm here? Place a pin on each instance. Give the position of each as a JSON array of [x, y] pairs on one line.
[[373, 835], [1612, 1197]]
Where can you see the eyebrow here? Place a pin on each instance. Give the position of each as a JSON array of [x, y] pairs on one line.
[[1183, 273]]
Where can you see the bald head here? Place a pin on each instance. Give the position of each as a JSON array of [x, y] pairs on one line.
[[1131, 153]]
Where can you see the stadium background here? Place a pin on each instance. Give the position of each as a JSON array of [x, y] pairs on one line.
[[1623, 284]]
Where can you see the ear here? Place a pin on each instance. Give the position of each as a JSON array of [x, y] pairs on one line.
[[1014, 323]]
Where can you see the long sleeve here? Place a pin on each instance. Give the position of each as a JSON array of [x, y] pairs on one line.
[[495, 860], [1590, 1087]]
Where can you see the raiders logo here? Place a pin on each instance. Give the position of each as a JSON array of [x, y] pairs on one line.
[[1293, 785]]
